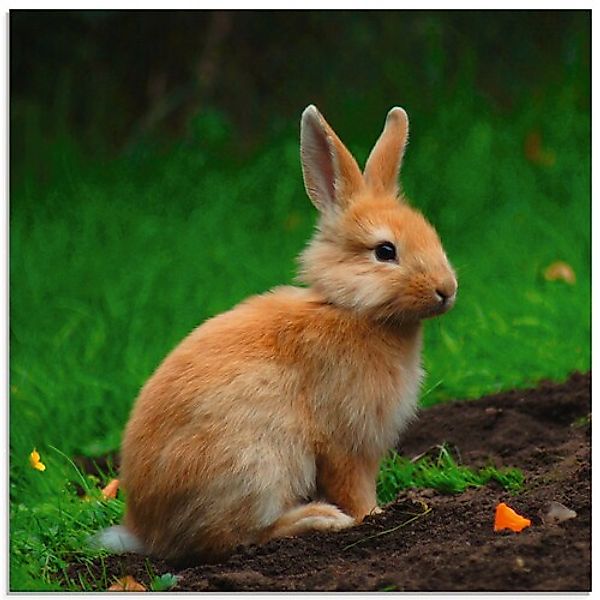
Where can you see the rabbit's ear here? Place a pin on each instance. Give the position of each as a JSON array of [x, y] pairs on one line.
[[383, 164], [331, 174]]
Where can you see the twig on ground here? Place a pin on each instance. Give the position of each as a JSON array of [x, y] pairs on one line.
[[427, 510]]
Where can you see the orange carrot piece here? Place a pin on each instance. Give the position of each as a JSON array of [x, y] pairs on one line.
[[110, 491], [507, 518]]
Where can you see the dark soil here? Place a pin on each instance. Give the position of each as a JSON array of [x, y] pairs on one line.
[[546, 432]]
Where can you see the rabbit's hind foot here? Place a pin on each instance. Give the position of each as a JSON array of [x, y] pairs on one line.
[[314, 516]]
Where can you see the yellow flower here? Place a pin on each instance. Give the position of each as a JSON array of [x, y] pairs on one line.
[[35, 462]]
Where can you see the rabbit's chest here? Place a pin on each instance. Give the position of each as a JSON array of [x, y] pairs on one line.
[[393, 405], [403, 403], [376, 403]]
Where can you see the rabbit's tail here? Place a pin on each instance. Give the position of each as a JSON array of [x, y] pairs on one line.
[[117, 539]]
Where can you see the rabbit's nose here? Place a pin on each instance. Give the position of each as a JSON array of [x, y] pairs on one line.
[[442, 295], [446, 291]]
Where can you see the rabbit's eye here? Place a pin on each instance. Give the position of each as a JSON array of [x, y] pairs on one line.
[[385, 252]]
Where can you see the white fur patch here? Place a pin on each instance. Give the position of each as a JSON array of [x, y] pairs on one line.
[[382, 234], [117, 539], [406, 408]]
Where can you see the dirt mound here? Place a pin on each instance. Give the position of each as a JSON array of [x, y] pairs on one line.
[[427, 541]]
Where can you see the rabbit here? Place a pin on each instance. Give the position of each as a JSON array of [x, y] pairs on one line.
[[270, 420]]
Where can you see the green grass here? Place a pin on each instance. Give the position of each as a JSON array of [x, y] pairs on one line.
[[441, 473], [49, 534], [113, 263]]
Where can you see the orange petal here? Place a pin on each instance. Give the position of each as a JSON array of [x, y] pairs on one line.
[[507, 518], [110, 491], [127, 584], [560, 270]]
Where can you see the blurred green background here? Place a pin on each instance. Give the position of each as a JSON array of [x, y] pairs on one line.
[[155, 182]]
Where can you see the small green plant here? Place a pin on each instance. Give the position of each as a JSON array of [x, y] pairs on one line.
[[163, 583], [582, 421], [441, 473]]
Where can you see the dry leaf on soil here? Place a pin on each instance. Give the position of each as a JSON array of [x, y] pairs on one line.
[[127, 584]]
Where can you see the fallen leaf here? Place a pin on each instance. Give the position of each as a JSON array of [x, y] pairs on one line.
[[507, 518], [110, 491], [560, 270], [35, 462], [127, 584], [535, 151]]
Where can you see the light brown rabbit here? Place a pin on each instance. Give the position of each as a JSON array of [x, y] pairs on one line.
[[270, 420]]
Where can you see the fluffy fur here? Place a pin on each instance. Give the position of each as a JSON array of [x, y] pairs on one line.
[[271, 419]]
